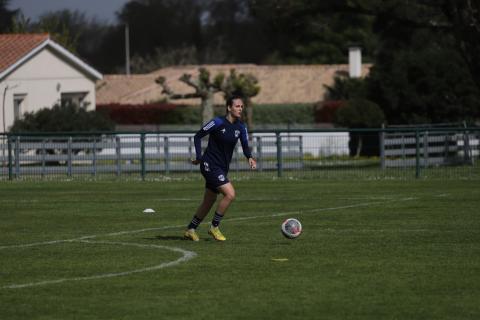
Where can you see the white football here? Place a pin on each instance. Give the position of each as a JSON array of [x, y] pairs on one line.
[[291, 228], [148, 210]]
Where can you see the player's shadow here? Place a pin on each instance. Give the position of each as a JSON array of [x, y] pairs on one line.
[[160, 237]]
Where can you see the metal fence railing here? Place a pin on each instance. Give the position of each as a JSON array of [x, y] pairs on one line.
[[369, 153]]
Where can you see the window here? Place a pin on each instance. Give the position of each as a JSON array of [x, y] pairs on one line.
[[18, 105], [73, 98]]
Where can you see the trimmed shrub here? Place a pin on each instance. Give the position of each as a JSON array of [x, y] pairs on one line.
[[361, 113], [63, 118], [166, 113], [283, 113]]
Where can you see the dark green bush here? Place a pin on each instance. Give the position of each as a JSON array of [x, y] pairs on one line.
[[183, 115], [359, 113], [63, 118], [283, 113]]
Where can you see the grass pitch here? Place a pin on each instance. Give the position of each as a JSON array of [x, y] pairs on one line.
[[369, 250]]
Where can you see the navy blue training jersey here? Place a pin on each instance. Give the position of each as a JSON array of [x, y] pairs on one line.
[[221, 142]]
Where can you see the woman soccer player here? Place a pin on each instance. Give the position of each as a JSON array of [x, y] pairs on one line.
[[224, 133]]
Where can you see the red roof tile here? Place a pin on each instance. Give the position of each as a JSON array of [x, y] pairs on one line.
[[15, 46]]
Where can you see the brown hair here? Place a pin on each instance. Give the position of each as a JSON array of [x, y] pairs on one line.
[[230, 99]]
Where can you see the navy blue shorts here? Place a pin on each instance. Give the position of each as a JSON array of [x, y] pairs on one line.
[[214, 176]]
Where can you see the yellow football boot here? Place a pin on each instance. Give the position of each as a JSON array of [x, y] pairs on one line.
[[216, 234], [190, 234]]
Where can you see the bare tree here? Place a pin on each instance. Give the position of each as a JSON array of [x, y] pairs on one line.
[[204, 89], [243, 85]]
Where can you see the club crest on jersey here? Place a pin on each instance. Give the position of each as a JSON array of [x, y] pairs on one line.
[[221, 177], [237, 133], [223, 130]]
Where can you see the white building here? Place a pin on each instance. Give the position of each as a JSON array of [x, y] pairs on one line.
[[36, 73]]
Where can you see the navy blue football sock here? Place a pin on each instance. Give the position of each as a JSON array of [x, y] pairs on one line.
[[194, 223], [216, 219]]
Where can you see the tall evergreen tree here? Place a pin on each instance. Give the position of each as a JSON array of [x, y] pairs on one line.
[[464, 17], [419, 74], [304, 31], [426, 59], [7, 16]]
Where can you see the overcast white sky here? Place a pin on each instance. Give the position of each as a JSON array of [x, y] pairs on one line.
[[102, 10]]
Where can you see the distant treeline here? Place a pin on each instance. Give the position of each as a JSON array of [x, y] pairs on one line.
[[425, 53]]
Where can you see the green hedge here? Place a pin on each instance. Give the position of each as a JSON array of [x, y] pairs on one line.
[[284, 113], [184, 115], [171, 114], [262, 114]]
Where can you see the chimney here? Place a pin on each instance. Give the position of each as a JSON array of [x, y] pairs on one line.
[[355, 61]]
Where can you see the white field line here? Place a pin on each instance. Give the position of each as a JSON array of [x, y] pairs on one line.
[[186, 255], [357, 230], [239, 199], [281, 214], [442, 195]]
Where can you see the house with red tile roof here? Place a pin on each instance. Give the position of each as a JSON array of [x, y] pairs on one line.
[[36, 73]]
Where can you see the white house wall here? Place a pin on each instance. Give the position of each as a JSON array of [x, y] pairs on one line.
[[43, 79]]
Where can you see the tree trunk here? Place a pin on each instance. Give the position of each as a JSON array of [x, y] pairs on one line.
[[359, 146], [207, 107], [249, 111]]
